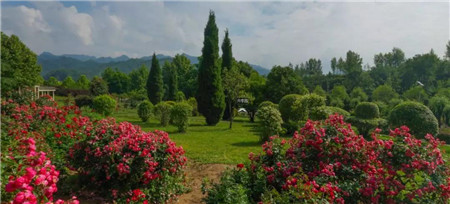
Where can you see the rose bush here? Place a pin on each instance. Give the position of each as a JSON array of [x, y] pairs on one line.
[[116, 159], [327, 162]]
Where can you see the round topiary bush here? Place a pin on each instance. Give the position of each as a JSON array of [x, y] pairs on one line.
[[301, 108], [180, 115], [104, 104], [145, 110], [193, 102], [271, 122], [367, 110], [286, 104], [323, 112], [162, 111], [123, 163], [416, 116], [266, 103], [84, 100]]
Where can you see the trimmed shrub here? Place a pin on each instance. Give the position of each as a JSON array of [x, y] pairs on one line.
[[84, 100], [180, 96], [365, 126], [193, 102], [180, 115], [367, 110], [271, 122], [302, 107], [145, 110], [122, 162], [104, 104], [323, 112], [162, 111], [416, 116], [326, 162], [286, 104], [267, 103]]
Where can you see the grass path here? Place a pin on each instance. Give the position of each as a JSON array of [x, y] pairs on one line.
[[207, 144]]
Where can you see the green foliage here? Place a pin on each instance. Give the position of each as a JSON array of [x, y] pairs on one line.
[[286, 106], [52, 81], [83, 82], [323, 112], [416, 116], [437, 105], [256, 93], [187, 75], [229, 71], [227, 53], [339, 97], [69, 83], [416, 93], [230, 190], [135, 98], [365, 126], [162, 111], [234, 84], [138, 78], [170, 78], [155, 89], [384, 93], [271, 122], [84, 100], [19, 66], [210, 95], [191, 101], [319, 91], [180, 115], [367, 110], [118, 82], [104, 105], [357, 96], [180, 96], [145, 110], [301, 108], [282, 81], [267, 103], [421, 68], [446, 114], [98, 87]]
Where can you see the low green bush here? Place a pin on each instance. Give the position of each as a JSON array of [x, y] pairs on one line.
[[286, 104], [271, 122], [365, 126], [162, 111], [193, 102], [367, 110], [416, 116], [301, 108], [267, 103], [104, 104], [84, 100], [180, 115], [323, 112], [145, 110]]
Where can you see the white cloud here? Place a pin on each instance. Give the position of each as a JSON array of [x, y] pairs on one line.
[[265, 33]]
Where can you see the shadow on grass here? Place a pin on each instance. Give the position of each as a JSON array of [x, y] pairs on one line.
[[247, 144]]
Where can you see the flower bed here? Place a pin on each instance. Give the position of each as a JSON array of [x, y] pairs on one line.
[[328, 162]]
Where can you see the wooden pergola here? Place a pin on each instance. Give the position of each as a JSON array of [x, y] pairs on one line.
[[44, 90]]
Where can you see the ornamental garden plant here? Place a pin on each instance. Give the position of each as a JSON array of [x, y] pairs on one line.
[[41, 153], [327, 162]]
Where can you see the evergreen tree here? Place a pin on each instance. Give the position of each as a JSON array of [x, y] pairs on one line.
[[172, 82], [227, 63], [155, 89], [210, 96]]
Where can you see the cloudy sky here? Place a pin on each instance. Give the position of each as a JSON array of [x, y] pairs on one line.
[[264, 33]]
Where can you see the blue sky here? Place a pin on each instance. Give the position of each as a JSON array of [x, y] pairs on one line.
[[264, 33]]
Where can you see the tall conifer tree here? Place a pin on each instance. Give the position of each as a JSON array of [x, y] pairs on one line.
[[155, 90], [227, 63], [210, 96]]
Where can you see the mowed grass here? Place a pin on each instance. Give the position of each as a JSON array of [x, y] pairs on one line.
[[206, 144]]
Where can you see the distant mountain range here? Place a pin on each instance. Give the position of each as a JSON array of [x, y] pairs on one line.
[[61, 66]]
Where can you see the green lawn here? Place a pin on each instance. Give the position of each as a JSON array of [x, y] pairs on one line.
[[207, 144]]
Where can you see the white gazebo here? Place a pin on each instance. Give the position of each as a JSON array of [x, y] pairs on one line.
[[44, 90]]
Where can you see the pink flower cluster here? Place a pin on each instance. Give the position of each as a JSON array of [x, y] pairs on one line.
[[329, 159]]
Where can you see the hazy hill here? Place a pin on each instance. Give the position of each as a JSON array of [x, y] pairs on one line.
[[61, 66]]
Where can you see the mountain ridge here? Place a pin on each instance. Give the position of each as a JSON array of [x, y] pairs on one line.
[[74, 65]]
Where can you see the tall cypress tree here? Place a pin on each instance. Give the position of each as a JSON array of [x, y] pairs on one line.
[[155, 90], [173, 82], [227, 62], [210, 96]]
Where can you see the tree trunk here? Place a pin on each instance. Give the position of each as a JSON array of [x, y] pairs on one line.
[[231, 114]]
